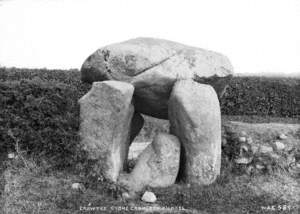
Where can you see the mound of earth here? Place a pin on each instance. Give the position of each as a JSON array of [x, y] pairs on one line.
[[262, 147]]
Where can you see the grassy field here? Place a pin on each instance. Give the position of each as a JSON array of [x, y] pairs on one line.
[[29, 188], [39, 122]]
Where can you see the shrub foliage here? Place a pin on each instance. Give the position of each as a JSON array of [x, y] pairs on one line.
[[39, 110], [262, 96]]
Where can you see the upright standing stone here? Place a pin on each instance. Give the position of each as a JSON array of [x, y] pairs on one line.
[[195, 118], [106, 114], [157, 165]]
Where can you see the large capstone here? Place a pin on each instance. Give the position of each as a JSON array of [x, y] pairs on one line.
[[105, 122], [195, 118], [153, 66], [157, 165]]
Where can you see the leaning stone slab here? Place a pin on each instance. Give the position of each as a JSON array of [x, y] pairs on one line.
[[157, 165], [195, 118], [105, 122], [153, 66]]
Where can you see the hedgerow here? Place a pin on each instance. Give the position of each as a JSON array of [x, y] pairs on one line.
[[262, 96], [41, 115]]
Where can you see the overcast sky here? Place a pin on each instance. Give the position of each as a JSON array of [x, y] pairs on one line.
[[258, 36]]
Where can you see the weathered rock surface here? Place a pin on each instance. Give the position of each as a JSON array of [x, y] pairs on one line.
[[157, 165], [194, 114], [78, 186], [282, 137], [279, 146], [136, 149], [153, 66], [149, 197], [106, 113]]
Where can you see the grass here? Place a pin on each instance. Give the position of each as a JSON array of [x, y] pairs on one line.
[[32, 190], [260, 119], [235, 196], [33, 186], [29, 188]]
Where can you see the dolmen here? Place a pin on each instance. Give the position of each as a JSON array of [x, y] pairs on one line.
[[162, 79]]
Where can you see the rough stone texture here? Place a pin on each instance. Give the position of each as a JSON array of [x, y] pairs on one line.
[[157, 165], [279, 145], [149, 197], [136, 149], [282, 137], [194, 114], [153, 66], [105, 113]]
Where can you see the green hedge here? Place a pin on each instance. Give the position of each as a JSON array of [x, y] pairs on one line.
[[39, 108], [262, 96]]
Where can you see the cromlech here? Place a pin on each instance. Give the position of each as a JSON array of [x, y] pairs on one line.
[[165, 80]]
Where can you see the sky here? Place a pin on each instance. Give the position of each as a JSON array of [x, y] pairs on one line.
[[258, 36]]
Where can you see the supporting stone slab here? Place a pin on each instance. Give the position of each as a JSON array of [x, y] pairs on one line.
[[195, 118], [106, 113]]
